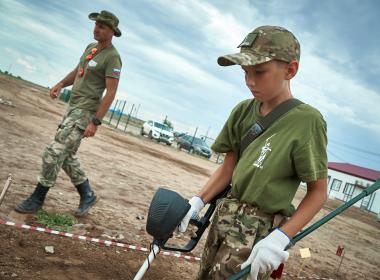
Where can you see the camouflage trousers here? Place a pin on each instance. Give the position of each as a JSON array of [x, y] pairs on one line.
[[235, 228], [61, 152]]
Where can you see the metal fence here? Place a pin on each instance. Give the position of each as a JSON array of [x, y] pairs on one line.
[[124, 116]]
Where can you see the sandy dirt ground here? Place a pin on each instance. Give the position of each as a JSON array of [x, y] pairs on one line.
[[125, 170]]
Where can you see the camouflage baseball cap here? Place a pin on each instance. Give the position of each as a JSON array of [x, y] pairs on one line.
[[264, 44], [107, 18]]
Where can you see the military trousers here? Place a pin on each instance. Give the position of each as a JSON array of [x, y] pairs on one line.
[[235, 228], [61, 152]]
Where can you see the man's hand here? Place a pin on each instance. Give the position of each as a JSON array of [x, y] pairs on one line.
[[67, 81], [54, 91], [196, 206], [90, 130], [267, 254]]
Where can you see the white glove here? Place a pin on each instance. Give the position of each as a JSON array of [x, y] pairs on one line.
[[268, 254], [196, 206]]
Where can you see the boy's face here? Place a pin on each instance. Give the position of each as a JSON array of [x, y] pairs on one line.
[[269, 80]]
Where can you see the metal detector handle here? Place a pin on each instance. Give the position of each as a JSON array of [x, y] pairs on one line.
[[317, 224], [204, 222], [201, 224]]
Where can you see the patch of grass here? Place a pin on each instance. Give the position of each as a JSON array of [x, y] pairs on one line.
[[60, 222]]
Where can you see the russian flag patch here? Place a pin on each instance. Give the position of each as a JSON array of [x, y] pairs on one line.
[[116, 71]]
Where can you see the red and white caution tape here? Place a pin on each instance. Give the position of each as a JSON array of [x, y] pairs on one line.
[[95, 240], [122, 245], [306, 277]]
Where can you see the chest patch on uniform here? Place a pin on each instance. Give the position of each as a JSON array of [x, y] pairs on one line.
[[248, 40], [92, 63]]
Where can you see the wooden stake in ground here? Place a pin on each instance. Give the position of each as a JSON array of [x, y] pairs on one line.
[[305, 254], [6, 187], [340, 252]]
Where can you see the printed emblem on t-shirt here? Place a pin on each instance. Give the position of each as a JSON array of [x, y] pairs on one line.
[[264, 151]]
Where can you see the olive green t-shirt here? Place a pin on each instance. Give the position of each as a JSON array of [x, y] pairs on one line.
[[291, 150], [90, 82]]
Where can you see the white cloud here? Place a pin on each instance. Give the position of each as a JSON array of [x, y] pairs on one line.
[[336, 94], [169, 52], [219, 28], [27, 64]]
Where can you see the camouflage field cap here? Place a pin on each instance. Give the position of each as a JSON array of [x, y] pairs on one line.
[[107, 18], [263, 44]]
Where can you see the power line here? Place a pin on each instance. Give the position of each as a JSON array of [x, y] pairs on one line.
[[338, 157], [354, 148], [361, 156]]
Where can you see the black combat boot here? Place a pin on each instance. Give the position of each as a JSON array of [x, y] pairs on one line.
[[34, 202], [87, 198]]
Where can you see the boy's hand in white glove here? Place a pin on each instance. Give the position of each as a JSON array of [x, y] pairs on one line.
[[268, 253], [197, 205]]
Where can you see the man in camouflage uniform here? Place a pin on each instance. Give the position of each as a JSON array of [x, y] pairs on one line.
[[250, 225], [98, 69]]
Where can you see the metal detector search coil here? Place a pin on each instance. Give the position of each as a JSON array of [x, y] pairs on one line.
[[166, 211]]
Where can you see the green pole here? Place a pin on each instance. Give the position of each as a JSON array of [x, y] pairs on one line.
[[319, 223], [114, 108], [129, 116], [121, 114]]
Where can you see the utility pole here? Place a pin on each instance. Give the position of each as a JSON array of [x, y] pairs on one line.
[[137, 110], [192, 140], [166, 117], [208, 130]]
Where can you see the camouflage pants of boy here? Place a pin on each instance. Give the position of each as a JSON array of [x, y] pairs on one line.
[[235, 228], [61, 152]]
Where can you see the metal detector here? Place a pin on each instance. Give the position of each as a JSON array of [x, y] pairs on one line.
[[166, 212]]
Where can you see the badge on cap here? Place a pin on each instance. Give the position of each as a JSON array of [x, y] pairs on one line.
[[248, 40]]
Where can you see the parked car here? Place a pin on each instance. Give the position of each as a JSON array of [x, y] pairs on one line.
[[178, 134], [159, 131], [194, 145]]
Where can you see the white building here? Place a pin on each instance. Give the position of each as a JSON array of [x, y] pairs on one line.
[[345, 181]]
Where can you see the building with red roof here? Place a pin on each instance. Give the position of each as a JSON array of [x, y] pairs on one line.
[[346, 180]]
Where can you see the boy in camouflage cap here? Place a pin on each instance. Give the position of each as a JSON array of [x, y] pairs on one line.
[[250, 226], [98, 69]]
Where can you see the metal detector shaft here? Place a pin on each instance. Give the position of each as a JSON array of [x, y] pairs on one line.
[[319, 223], [5, 189], [152, 255]]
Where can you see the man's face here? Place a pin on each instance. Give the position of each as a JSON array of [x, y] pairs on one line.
[[102, 32], [267, 80]]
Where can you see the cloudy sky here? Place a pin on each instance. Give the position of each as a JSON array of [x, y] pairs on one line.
[[169, 51]]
